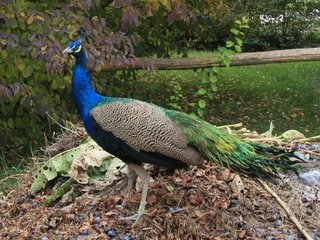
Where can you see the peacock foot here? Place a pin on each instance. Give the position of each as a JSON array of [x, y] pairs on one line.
[[121, 206], [136, 217], [142, 206], [132, 177]]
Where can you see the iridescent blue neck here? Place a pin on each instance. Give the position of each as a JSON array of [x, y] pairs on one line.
[[84, 96], [81, 58]]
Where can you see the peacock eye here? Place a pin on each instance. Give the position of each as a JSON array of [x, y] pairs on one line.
[[77, 49]]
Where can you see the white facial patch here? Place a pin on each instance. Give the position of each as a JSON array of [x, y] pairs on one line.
[[78, 50]]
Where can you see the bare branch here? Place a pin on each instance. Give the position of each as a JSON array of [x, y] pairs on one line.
[[240, 59]]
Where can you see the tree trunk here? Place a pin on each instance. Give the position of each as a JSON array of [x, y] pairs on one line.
[[240, 59]]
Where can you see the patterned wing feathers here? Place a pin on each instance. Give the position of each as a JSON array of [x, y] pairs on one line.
[[145, 127]]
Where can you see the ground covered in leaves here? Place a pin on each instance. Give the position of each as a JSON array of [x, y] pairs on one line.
[[196, 203]]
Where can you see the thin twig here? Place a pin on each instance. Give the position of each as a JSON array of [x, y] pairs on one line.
[[259, 138], [309, 139], [11, 176], [287, 209], [67, 129], [309, 151], [236, 125]]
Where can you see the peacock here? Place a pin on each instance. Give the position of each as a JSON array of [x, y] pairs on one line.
[[138, 132]]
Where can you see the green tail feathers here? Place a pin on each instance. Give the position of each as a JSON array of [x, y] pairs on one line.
[[231, 152]]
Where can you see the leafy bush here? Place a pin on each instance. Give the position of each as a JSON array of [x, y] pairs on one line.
[[35, 77], [27, 90], [281, 24]]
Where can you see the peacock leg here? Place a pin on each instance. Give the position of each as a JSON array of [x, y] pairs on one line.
[[144, 176], [132, 177]]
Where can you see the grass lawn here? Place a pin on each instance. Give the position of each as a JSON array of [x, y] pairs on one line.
[[287, 94], [7, 170]]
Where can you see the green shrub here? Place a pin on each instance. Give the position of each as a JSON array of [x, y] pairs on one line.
[[34, 87], [281, 24]]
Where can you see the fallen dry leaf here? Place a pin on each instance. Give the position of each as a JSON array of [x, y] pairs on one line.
[[198, 213], [200, 172], [237, 185], [218, 238], [195, 199], [242, 234], [91, 158], [151, 200], [225, 174]]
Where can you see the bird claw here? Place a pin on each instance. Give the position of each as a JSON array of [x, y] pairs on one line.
[[130, 218], [132, 176], [136, 217], [120, 207]]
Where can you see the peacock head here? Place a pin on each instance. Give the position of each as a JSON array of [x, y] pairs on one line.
[[73, 48]]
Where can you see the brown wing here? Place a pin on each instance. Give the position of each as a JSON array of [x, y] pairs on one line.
[[145, 127]]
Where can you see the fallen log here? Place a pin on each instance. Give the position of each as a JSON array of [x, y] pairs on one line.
[[240, 59]]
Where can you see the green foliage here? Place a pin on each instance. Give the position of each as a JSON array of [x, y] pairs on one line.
[[174, 26], [9, 172], [240, 26], [35, 76], [58, 192], [286, 94], [281, 24], [27, 91], [58, 165], [175, 98], [208, 85]]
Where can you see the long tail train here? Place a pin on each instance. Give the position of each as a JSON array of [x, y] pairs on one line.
[[232, 152]]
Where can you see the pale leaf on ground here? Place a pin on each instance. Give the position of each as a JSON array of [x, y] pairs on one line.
[[91, 158]]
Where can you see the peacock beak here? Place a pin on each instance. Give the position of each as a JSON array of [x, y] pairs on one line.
[[67, 50]]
